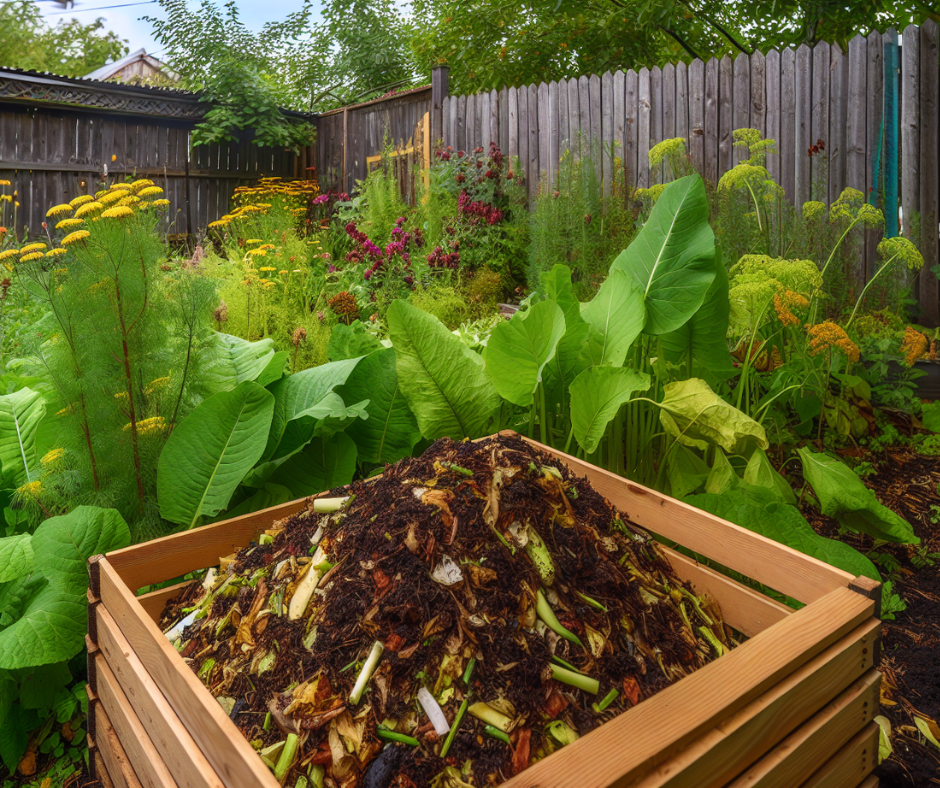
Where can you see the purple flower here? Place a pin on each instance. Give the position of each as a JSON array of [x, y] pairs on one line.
[[367, 274], [332, 269]]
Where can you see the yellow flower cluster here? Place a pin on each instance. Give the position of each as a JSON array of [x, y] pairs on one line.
[[55, 210], [156, 385], [65, 224], [55, 252], [9, 253], [914, 346], [665, 150], [30, 489], [813, 209], [78, 235], [26, 258], [52, 456], [79, 201], [149, 426], [118, 212], [828, 336], [89, 208], [903, 250], [784, 304], [37, 247], [851, 206]]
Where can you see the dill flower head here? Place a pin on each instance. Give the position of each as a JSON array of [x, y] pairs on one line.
[[803, 276], [117, 212], [78, 235], [9, 253], [65, 224], [112, 196], [37, 247], [156, 385], [829, 335], [30, 490], [813, 209], [653, 193], [150, 191], [746, 137], [31, 256], [55, 210], [89, 208], [784, 304], [914, 346], [79, 201], [742, 175], [52, 456], [903, 250], [55, 252], [666, 149], [851, 206]]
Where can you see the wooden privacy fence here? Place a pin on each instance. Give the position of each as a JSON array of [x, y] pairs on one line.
[[60, 137]]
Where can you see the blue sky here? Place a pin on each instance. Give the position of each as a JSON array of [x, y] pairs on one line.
[[126, 21]]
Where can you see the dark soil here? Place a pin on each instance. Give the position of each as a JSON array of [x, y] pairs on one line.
[[907, 483]]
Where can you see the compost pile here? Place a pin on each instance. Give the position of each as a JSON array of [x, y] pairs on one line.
[[448, 624]]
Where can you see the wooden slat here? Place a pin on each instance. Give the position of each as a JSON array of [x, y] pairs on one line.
[[775, 565], [719, 755], [819, 128], [574, 115], [523, 121], [870, 782], [594, 90], [553, 133], [852, 764], [493, 135], [584, 111], [631, 127], [172, 556], [643, 130], [101, 771], [803, 97], [788, 123], [711, 121], [725, 115], [929, 169], [563, 119], [910, 128], [148, 765], [503, 110], [108, 745], [607, 129], [696, 103], [534, 168], [175, 746], [513, 126], [154, 601], [773, 110], [711, 695], [619, 121], [742, 608], [656, 118], [229, 753], [741, 101], [758, 106], [875, 93], [855, 126], [545, 167], [669, 102], [835, 141], [794, 760]]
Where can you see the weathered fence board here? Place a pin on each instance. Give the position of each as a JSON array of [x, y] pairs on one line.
[[929, 168]]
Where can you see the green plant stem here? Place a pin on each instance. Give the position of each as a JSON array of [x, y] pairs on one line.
[[454, 726], [130, 394], [871, 281], [401, 738], [543, 418]]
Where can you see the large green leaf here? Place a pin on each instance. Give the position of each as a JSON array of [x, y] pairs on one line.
[[50, 628], [519, 349], [210, 451], [351, 341], [686, 471], [696, 416], [700, 344], [15, 725], [391, 430], [760, 473], [672, 257], [784, 524], [64, 544], [596, 396], [567, 362], [298, 397], [326, 417], [844, 496], [20, 415], [238, 360], [323, 464], [443, 380], [616, 316], [16, 557], [269, 495]]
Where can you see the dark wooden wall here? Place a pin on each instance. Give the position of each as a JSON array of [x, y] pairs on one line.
[[53, 154], [360, 131]]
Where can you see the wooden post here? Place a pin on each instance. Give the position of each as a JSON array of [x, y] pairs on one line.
[[929, 171], [891, 66], [345, 144], [440, 83]]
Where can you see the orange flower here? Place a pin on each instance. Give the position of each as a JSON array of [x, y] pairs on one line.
[[828, 335], [914, 345], [785, 302]]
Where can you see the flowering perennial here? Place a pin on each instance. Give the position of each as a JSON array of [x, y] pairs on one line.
[[828, 336]]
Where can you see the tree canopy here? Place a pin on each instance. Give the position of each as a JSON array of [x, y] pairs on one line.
[[69, 48]]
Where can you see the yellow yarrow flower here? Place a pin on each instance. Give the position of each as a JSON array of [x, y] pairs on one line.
[[268, 246], [267, 268], [78, 235], [79, 201], [269, 284], [785, 302], [55, 252], [111, 196], [51, 456], [37, 247], [160, 203], [31, 489], [156, 385], [150, 191], [121, 186], [5, 183], [149, 426], [55, 210], [118, 212], [218, 223], [142, 183], [66, 223], [32, 256], [254, 241], [89, 208], [9, 253], [257, 252]]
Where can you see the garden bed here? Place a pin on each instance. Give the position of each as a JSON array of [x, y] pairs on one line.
[[793, 705]]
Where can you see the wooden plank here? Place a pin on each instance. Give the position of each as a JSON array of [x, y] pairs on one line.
[[574, 116], [154, 601], [870, 782], [741, 102], [772, 115], [707, 698], [775, 565], [669, 102], [758, 107], [534, 164], [101, 771], [545, 166], [717, 757], [835, 141], [503, 113], [725, 115], [929, 170], [594, 89], [108, 745], [696, 99], [910, 128], [852, 764], [229, 753], [461, 143], [607, 130], [523, 93], [793, 761], [682, 103], [175, 746], [619, 121], [875, 111], [819, 129], [656, 119], [631, 127], [513, 126], [149, 766], [742, 608], [172, 556], [554, 143], [643, 130], [710, 152], [856, 129], [584, 113], [563, 120], [803, 99]]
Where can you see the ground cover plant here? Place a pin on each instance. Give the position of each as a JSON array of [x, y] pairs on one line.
[[354, 623]]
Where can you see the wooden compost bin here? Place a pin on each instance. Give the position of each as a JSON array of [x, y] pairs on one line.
[[792, 707]]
